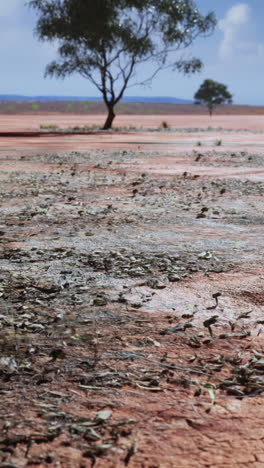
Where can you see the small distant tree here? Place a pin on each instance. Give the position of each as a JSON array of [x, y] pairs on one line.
[[107, 41], [212, 94]]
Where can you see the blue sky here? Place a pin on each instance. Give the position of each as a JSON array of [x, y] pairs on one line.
[[233, 55]]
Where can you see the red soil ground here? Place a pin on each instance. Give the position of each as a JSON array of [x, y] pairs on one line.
[[33, 122], [157, 192]]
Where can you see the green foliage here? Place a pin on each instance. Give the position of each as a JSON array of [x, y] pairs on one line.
[[106, 40], [69, 106], [35, 106], [11, 107], [212, 94], [85, 106]]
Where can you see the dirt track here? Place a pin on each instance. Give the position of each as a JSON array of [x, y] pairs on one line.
[[116, 250]]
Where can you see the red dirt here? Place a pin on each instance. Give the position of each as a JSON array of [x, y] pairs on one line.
[[27, 122], [151, 141], [74, 357]]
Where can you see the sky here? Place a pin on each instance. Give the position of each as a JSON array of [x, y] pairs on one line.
[[233, 55]]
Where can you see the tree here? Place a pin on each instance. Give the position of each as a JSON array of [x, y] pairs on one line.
[[106, 40], [212, 94]]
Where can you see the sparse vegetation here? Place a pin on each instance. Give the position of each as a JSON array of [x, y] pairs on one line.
[[49, 127], [85, 106], [134, 108], [69, 106], [218, 142], [11, 107], [165, 125], [87, 128], [35, 106]]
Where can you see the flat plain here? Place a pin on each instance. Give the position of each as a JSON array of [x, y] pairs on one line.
[[132, 291]]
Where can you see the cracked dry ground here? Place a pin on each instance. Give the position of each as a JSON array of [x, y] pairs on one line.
[[131, 309]]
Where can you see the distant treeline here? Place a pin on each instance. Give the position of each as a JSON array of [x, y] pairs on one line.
[[98, 107], [149, 99]]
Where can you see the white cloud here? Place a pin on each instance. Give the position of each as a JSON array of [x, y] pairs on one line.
[[235, 30]]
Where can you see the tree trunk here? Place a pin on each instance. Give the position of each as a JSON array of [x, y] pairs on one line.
[[110, 117]]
